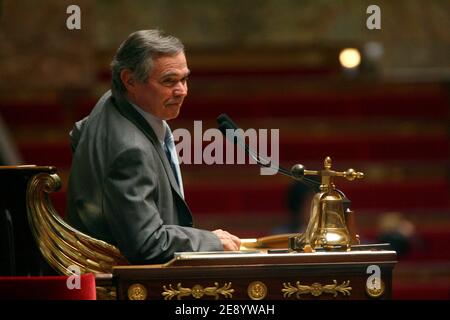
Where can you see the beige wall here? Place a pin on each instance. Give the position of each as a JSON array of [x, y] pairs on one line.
[[38, 53]]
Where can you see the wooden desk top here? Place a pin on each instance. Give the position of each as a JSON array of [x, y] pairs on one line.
[[222, 259]]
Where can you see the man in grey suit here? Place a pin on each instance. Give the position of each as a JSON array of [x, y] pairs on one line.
[[125, 186]]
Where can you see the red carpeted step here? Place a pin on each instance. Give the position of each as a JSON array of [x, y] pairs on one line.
[[47, 153], [270, 199], [267, 199], [345, 105], [343, 148], [32, 113], [366, 148], [427, 243], [414, 103], [432, 244], [83, 107]]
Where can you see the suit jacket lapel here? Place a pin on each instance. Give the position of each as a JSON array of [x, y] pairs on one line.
[[127, 110]]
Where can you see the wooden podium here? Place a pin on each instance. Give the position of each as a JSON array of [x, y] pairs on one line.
[[261, 274], [261, 270]]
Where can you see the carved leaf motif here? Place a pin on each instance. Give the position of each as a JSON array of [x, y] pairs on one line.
[[198, 291], [316, 289]]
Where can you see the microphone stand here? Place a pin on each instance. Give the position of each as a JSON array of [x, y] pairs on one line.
[[297, 172]]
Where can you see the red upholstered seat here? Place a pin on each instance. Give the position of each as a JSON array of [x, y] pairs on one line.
[[47, 288]]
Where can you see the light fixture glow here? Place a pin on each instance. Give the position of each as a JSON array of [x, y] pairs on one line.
[[350, 58]]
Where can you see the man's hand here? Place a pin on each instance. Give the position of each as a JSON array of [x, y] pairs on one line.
[[229, 241]]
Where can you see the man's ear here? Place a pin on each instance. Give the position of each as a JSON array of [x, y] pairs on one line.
[[127, 79]]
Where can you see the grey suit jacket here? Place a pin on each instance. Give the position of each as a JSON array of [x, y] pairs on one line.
[[122, 189]]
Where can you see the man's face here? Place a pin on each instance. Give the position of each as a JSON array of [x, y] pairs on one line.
[[163, 93]]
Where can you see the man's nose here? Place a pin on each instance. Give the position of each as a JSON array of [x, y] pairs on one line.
[[180, 89]]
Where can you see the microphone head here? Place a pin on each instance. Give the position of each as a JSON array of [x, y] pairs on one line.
[[224, 118]]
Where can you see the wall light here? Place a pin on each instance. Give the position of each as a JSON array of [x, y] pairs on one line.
[[350, 58]]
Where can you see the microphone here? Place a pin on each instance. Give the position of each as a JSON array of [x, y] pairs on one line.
[[297, 172], [224, 126], [224, 118]]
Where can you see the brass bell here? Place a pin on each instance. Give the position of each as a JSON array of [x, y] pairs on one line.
[[331, 231], [330, 226]]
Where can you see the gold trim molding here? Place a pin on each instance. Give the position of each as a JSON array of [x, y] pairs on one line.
[[62, 245], [257, 290], [375, 291], [137, 292], [198, 291], [316, 289]]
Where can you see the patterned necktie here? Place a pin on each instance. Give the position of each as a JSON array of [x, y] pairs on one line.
[[171, 153]]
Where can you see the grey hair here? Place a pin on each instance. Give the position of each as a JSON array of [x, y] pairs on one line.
[[137, 52]]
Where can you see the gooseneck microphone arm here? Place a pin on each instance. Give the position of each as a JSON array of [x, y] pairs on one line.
[[297, 173]]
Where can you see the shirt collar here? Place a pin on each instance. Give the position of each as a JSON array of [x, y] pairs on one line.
[[158, 125]]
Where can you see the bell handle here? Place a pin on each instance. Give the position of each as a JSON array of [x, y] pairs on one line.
[[350, 174]]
